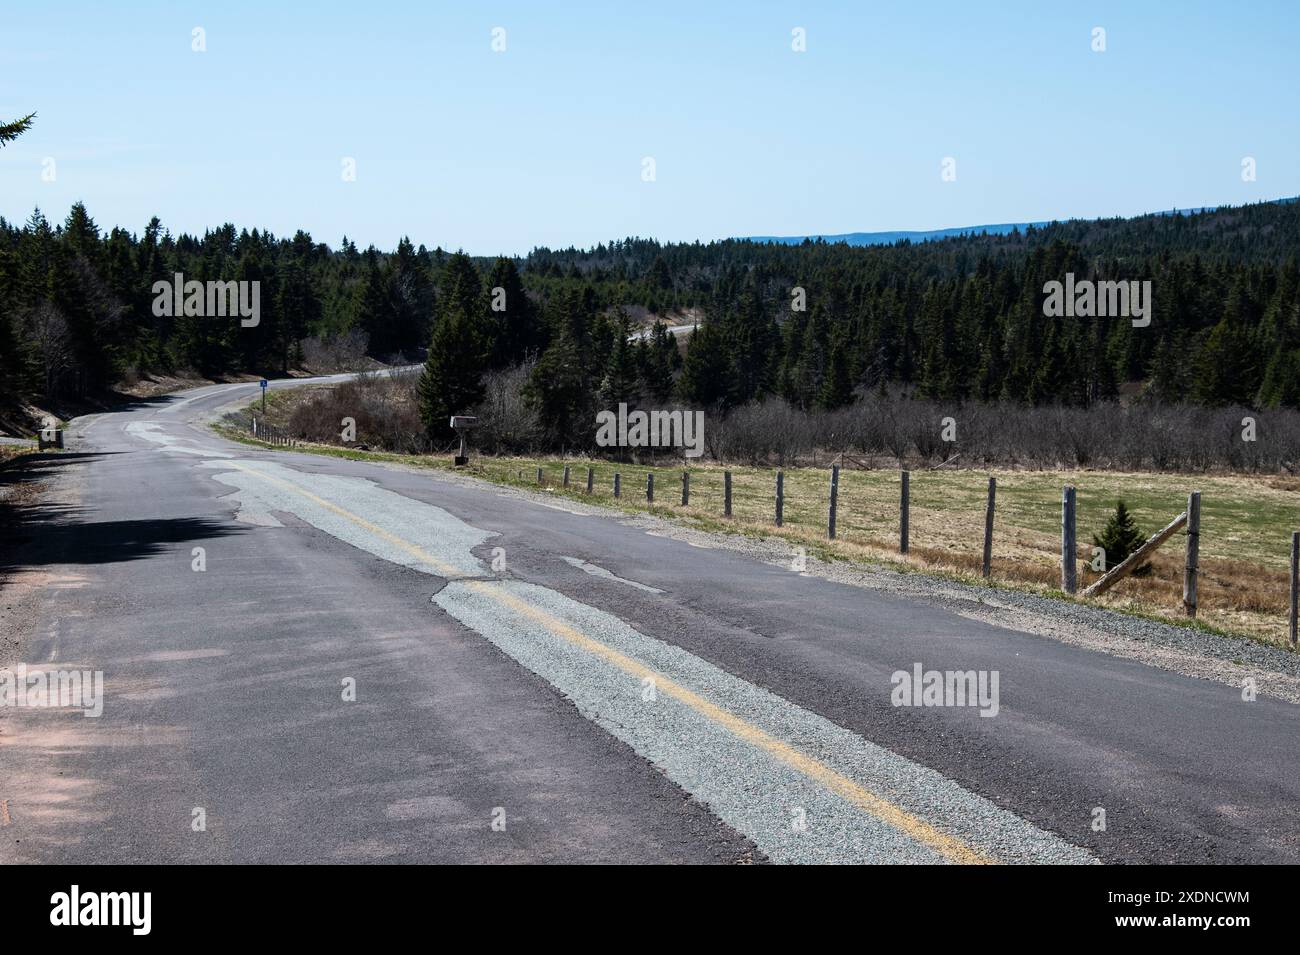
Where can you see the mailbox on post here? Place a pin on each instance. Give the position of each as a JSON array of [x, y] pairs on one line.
[[462, 423]]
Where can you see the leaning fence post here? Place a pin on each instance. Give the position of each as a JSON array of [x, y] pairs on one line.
[[904, 510], [780, 497], [617, 488], [1295, 581], [591, 476], [726, 493], [835, 497], [1193, 552], [988, 526], [650, 488], [686, 488], [1069, 578], [566, 477]]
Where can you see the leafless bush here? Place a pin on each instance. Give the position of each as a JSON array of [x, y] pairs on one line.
[[506, 422], [761, 433], [345, 352], [887, 429], [51, 340], [385, 409], [902, 429]]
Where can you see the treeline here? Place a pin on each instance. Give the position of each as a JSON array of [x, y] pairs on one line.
[[818, 325]]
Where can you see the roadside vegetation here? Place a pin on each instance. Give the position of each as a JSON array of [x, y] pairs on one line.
[[1246, 519]]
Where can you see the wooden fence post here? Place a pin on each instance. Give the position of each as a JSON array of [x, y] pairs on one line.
[[780, 497], [988, 525], [1295, 581], [566, 476], [904, 507], [833, 510], [726, 493], [686, 488], [617, 489], [591, 477], [1069, 570], [1193, 552], [650, 488]]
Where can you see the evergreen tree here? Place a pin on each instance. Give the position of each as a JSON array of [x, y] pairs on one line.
[[837, 386], [657, 358], [1120, 538], [560, 393], [452, 380], [621, 381], [516, 332], [374, 308], [706, 369]]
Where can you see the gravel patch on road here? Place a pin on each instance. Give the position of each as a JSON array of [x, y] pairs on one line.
[[791, 815], [801, 787]]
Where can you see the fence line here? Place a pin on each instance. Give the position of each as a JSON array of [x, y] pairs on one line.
[[708, 496]]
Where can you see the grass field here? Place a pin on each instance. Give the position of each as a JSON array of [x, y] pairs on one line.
[[1246, 523]]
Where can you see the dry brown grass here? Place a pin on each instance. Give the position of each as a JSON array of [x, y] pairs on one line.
[[1246, 526]]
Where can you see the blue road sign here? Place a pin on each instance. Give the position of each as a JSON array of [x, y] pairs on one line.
[[263, 384]]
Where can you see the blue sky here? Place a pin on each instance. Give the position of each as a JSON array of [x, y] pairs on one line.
[[542, 144]]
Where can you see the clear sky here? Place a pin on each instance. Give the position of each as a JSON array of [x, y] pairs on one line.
[[543, 144]]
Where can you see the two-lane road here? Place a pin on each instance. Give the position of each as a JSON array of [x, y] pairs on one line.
[[313, 659]]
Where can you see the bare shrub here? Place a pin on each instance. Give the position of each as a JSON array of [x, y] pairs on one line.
[[340, 353], [890, 429], [1149, 435], [506, 422], [385, 409], [769, 432]]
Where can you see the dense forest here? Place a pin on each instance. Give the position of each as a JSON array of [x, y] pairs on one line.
[[959, 319]]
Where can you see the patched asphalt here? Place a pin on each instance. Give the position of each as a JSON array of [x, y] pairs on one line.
[[224, 690]]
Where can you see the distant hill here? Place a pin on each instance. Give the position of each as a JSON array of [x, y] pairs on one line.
[[889, 238]]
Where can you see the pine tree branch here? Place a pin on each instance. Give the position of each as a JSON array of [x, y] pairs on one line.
[[11, 131]]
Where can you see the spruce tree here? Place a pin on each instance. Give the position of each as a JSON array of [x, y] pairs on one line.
[[837, 386], [516, 333], [1120, 538], [452, 380], [620, 381], [706, 370], [560, 393]]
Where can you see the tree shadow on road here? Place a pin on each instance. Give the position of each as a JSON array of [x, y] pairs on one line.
[[38, 533]]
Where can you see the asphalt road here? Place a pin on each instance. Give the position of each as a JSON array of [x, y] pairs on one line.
[[384, 664]]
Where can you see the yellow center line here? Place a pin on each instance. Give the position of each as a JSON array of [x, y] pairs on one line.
[[946, 845], [444, 570]]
